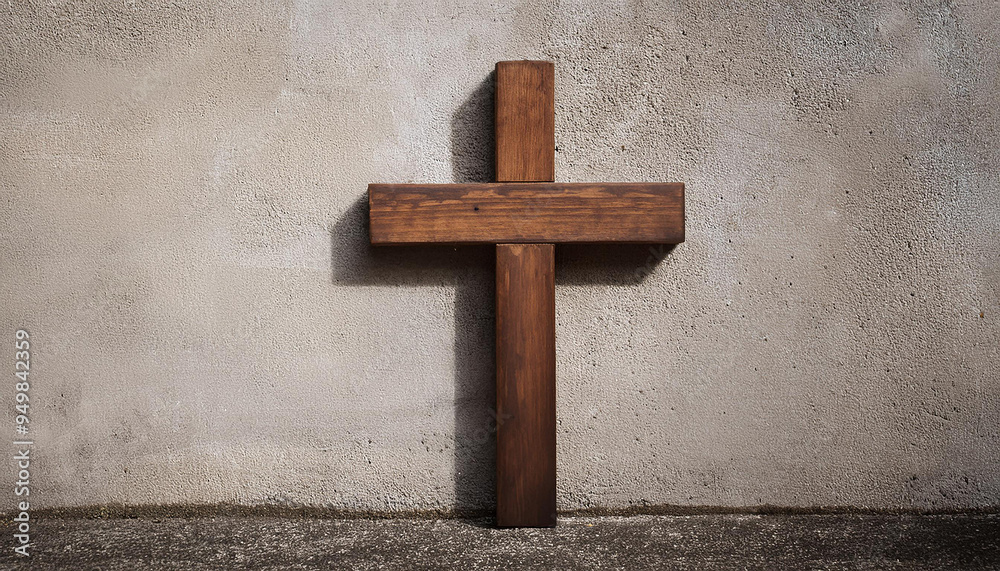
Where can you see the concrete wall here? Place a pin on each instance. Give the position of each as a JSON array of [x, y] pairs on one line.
[[183, 235]]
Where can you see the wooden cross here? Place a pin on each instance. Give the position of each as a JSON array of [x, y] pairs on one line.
[[525, 213]]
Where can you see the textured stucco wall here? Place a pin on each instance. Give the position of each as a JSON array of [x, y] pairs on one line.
[[183, 236]]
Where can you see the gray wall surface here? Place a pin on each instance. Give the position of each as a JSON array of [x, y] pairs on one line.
[[183, 235]]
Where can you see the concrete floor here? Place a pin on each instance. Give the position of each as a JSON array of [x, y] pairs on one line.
[[642, 542]]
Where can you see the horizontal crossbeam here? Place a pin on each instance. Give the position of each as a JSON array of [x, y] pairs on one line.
[[536, 212]]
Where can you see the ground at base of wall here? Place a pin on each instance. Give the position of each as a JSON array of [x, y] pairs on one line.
[[844, 541]]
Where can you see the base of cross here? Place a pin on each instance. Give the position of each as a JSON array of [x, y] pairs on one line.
[[525, 213], [526, 385]]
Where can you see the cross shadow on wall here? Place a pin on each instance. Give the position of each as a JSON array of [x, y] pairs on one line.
[[471, 270]]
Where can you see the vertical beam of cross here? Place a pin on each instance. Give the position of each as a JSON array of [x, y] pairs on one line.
[[525, 295]]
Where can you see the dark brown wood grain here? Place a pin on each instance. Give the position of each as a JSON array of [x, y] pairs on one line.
[[525, 121], [526, 213], [526, 385]]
